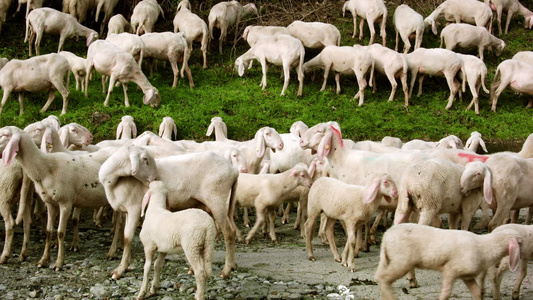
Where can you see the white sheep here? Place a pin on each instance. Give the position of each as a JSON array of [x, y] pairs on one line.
[[510, 7], [470, 36], [315, 34], [344, 60], [456, 253], [30, 4], [391, 64], [352, 204], [253, 33], [107, 6], [474, 141], [4, 7], [291, 154], [193, 26], [220, 129], [168, 128], [126, 129], [475, 73], [77, 67], [372, 11], [170, 46], [79, 8], [120, 66], [165, 232], [515, 74], [144, 16], [391, 141], [435, 62], [524, 56], [226, 14], [467, 11], [406, 23], [118, 24], [282, 50], [49, 20], [35, 74], [130, 43]]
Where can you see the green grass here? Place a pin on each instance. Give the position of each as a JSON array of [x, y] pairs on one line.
[[219, 91]]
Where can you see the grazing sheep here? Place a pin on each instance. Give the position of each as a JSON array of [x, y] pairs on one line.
[[406, 23], [168, 128], [515, 74], [372, 11], [108, 6], [118, 24], [474, 141], [470, 36], [49, 20], [282, 50], [315, 34], [252, 34], [129, 42], [352, 204], [226, 14], [510, 7], [475, 73], [77, 67], [456, 253], [144, 16], [126, 129], [346, 60], [467, 11], [35, 74], [165, 232], [193, 26], [120, 66]]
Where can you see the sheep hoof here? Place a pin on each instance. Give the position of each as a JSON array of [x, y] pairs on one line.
[[275, 241], [75, 248], [312, 258], [352, 270]]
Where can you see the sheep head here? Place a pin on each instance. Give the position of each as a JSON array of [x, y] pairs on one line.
[[92, 36], [9, 143], [152, 97], [477, 174]]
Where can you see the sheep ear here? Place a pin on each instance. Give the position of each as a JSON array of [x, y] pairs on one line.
[[146, 200], [312, 169], [119, 130], [434, 27], [325, 145], [240, 68], [260, 139], [338, 135], [372, 191], [294, 173], [482, 143], [134, 130], [161, 129], [174, 131], [210, 129], [225, 129], [487, 186], [46, 142], [134, 159], [514, 254], [11, 150], [63, 136]]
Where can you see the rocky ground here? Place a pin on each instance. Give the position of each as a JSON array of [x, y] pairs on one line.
[[265, 271]]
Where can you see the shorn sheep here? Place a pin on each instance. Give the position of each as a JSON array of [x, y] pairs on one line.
[[510, 7], [467, 11], [283, 50], [406, 23], [118, 24], [315, 35], [458, 254], [165, 232], [470, 36], [252, 33], [77, 67], [49, 20], [515, 74], [193, 26], [144, 16], [475, 72], [371, 11], [35, 74]]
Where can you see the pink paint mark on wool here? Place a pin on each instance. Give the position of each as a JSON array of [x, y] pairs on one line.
[[474, 157]]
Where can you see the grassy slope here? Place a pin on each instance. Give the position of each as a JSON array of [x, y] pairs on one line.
[[245, 107]]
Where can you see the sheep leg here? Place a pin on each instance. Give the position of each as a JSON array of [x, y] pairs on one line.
[[474, 288], [260, 219], [286, 212], [52, 214], [361, 23], [370, 23], [514, 216], [26, 201], [264, 66], [132, 220], [245, 218], [413, 79], [393, 84], [21, 103], [326, 74], [64, 214], [51, 97], [331, 239], [364, 245], [38, 37], [271, 224], [126, 99], [287, 75], [397, 41], [420, 83], [521, 275], [350, 248], [75, 246], [496, 276], [31, 39], [361, 82], [354, 25], [375, 225], [117, 230], [310, 225], [382, 31], [228, 230], [322, 229], [453, 89], [338, 82], [158, 265], [508, 21], [496, 89], [61, 43], [405, 87], [112, 80], [149, 256], [5, 210], [175, 71], [529, 215]]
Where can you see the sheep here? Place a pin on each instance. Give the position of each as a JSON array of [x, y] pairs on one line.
[[470, 36], [170, 46], [226, 14], [193, 26], [168, 128], [456, 253], [515, 74], [130, 43], [30, 4], [291, 154], [391, 64], [165, 232], [4, 7], [211, 186], [474, 141], [467, 11], [346, 60], [266, 192], [524, 56], [440, 62], [406, 23], [372, 11], [220, 128], [392, 141], [450, 141], [59, 191], [108, 6], [282, 50], [40, 73], [475, 73], [511, 7], [144, 16], [111, 61], [252, 33], [78, 8], [3, 62], [126, 129], [118, 24], [77, 67], [352, 204], [316, 35], [49, 20]]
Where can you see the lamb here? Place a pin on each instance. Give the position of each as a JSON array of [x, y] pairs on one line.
[[372, 11], [346, 60], [441, 62], [111, 61], [77, 67], [144, 16], [40, 73], [406, 23], [470, 36], [467, 11], [118, 24], [130, 43], [170, 46], [456, 253], [515, 74], [352, 204], [283, 50], [511, 7], [168, 128], [316, 35], [193, 26], [226, 14], [126, 129], [475, 73], [165, 232], [252, 34], [474, 141], [49, 20]]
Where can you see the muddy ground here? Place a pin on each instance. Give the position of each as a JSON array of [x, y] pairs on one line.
[[265, 271]]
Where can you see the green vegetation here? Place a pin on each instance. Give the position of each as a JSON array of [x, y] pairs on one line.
[[219, 91]]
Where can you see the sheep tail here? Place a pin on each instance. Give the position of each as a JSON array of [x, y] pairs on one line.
[[483, 83], [371, 74], [27, 30], [211, 27], [208, 252], [98, 9], [464, 78], [441, 41]]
